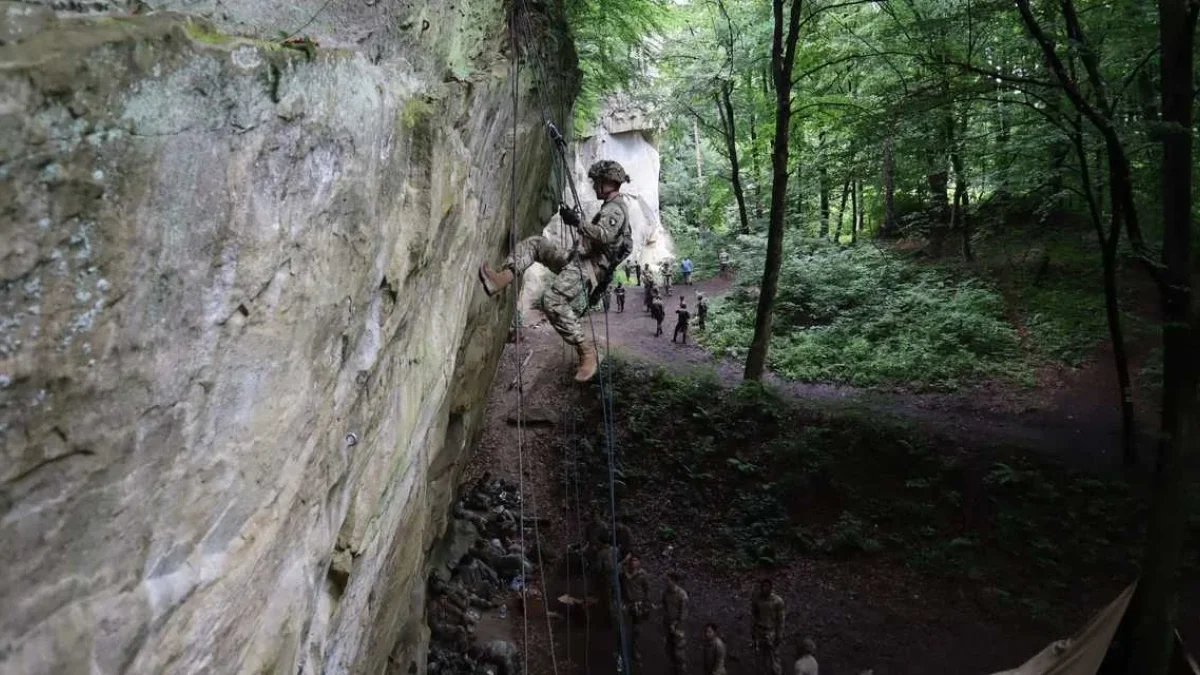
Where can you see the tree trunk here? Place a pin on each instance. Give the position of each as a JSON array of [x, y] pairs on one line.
[[837, 236], [823, 188], [755, 165], [1158, 590], [783, 56], [725, 111], [696, 143], [961, 202], [889, 228], [855, 213]]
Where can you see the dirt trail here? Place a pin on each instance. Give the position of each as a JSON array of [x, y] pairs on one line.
[[863, 615], [1073, 416]]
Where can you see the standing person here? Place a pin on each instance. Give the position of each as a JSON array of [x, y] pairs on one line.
[[686, 268], [768, 616], [647, 275], [648, 282], [714, 651], [681, 324], [701, 310], [723, 261], [667, 273], [807, 663], [581, 274], [620, 293], [635, 585], [637, 270], [606, 299], [657, 313], [675, 611], [629, 265]]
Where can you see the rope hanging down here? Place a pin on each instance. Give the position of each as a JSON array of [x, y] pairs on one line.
[[558, 144]]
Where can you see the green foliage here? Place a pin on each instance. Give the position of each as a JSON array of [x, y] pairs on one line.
[[863, 316], [751, 479], [610, 38]]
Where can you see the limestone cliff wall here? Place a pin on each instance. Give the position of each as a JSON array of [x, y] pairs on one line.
[[628, 135], [242, 350]]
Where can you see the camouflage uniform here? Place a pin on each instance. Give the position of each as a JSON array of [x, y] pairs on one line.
[[674, 604], [714, 657], [604, 580], [659, 313], [665, 273], [701, 311], [769, 618], [635, 587], [578, 273]]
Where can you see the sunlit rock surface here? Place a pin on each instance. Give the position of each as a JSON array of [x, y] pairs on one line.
[[242, 349]]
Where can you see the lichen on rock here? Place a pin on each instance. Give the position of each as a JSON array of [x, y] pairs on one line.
[[220, 260]]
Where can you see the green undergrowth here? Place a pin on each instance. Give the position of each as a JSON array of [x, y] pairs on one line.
[[863, 316], [748, 478]]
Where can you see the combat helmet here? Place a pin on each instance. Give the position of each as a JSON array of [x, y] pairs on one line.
[[607, 169]]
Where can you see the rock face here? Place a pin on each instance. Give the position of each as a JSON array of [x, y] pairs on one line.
[[242, 349], [628, 135]]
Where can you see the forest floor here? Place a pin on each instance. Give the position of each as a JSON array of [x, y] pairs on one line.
[[865, 611], [1070, 414]]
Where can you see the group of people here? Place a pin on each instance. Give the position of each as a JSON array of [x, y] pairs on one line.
[[652, 301], [607, 564]]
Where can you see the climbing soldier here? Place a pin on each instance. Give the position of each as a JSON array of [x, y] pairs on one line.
[[768, 615], [714, 651], [675, 610], [681, 324], [657, 313], [584, 273], [701, 310], [635, 586], [620, 293]]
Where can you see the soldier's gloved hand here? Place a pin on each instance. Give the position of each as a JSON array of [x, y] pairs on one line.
[[568, 215]]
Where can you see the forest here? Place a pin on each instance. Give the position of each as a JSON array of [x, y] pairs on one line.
[[944, 198]]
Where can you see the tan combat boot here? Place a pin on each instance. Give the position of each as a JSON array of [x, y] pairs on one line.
[[494, 282], [587, 362]]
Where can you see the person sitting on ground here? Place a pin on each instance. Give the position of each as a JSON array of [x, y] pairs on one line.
[[807, 663], [681, 325], [657, 313], [582, 274]]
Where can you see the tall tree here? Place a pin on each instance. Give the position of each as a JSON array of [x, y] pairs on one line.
[[1157, 604], [784, 33]]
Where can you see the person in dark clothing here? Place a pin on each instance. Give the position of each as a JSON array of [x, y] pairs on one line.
[[620, 293], [658, 313], [681, 324], [701, 310], [637, 270]]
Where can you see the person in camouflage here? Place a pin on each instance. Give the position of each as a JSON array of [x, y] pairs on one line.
[[714, 651], [602, 245], [635, 587], [658, 313], [648, 285], [665, 272], [675, 611], [767, 612], [701, 310]]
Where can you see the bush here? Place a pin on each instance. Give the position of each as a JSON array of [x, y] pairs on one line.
[[864, 316]]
